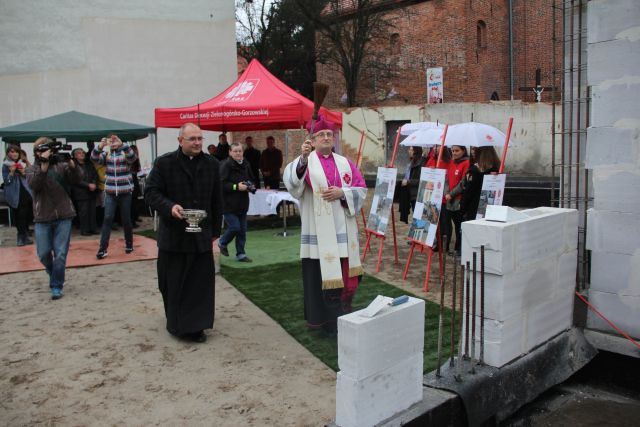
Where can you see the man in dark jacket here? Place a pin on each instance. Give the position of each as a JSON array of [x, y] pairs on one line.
[[84, 193], [270, 164], [252, 155], [186, 179], [222, 150], [50, 179], [235, 173]]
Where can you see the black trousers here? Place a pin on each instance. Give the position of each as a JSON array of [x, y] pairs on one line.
[[23, 214], [321, 308], [456, 218], [87, 215], [187, 283]]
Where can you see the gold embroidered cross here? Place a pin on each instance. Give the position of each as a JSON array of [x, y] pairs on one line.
[[329, 257]]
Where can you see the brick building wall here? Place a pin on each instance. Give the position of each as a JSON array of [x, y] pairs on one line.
[[444, 33]]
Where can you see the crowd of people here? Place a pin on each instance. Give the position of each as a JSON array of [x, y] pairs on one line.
[[331, 190], [463, 184]]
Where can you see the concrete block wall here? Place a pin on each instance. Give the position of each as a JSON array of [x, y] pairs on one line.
[[613, 155], [530, 276], [381, 361]]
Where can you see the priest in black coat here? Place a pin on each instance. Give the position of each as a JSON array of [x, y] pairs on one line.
[[186, 179]]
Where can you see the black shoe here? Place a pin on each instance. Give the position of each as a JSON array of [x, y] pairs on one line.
[[223, 250], [128, 249], [198, 337], [245, 259], [102, 254]]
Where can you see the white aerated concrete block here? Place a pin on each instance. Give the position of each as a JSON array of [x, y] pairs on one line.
[[370, 400], [498, 239], [367, 345], [622, 310], [566, 279], [515, 292], [546, 320], [615, 273], [615, 189], [503, 340], [612, 232], [611, 147], [518, 244]]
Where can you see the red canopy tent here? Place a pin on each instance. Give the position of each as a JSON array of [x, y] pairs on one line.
[[255, 101]]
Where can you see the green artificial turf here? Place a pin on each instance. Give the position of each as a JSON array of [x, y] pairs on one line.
[[277, 290], [265, 247]]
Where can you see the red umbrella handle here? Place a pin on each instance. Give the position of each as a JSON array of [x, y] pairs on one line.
[[395, 149], [506, 145], [444, 138]]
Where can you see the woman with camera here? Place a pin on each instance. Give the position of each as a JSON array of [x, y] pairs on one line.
[[237, 181], [17, 192]]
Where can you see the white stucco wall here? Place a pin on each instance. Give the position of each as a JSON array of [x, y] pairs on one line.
[[117, 58], [529, 152]]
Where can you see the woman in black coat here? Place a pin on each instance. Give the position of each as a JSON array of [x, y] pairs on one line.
[[409, 184], [84, 193], [235, 174], [487, 162]]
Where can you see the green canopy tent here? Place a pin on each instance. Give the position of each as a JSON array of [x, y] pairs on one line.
[[78, 127]]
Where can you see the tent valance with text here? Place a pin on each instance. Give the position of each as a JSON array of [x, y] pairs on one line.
[[257, 100]]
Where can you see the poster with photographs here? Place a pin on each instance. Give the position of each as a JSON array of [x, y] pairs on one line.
[[424, 222], [492, 193], [382, 200]]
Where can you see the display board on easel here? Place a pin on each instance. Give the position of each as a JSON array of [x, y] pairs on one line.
[[426, 214], [492, 193], [382, 202]]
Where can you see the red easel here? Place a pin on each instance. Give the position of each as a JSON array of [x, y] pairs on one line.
[[358, 161], [382, 237], [423, 247]]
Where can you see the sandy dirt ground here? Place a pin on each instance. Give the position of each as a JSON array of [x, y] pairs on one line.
[[101, 355]]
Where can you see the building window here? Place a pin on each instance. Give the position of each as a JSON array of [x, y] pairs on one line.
[[394, 43], [481, 35]]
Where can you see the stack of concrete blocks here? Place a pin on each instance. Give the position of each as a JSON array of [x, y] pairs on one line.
[[530, 276], [613, 155], [381, 362]]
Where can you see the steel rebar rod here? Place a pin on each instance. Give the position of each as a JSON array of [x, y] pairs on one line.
[[453, 310], [441, 313], [474, 303], [482, 305], [466, 316]]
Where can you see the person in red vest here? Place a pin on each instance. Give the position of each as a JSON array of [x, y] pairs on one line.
[[457, 170]]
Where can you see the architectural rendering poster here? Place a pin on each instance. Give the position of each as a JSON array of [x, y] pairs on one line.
[[424, 222], [435, 87], [492, 192], [382, 200]]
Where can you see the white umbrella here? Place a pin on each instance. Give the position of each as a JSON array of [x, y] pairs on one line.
[[409, 128], [475, 134], [424, 138]]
